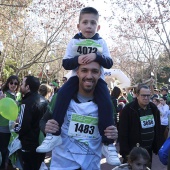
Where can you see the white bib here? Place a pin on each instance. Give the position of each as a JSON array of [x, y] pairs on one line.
[[147, 121], [83, 126]]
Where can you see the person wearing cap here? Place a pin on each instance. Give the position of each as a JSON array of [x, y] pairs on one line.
[[164, 93]]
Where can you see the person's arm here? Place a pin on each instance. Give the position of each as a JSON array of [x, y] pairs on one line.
[[47, 116], [2, 95], [123, 132], [24, 120], [104, 58], [70, 60]]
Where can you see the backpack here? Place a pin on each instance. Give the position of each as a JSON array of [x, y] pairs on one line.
[[164, 151]]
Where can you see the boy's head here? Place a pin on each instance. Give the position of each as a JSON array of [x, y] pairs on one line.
[[88, 22]]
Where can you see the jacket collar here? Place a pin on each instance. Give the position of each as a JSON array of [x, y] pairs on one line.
[[80, 36]]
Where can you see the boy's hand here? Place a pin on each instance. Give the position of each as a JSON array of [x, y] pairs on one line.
[[87, 58], [81, 59]]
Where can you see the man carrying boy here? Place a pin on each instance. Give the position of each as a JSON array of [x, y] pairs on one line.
[[86, 47], [81, 141]]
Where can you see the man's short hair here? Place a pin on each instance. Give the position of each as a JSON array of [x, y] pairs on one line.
[[140, 87], [65, 78], [164, 89], [88, 10], [33, 83]]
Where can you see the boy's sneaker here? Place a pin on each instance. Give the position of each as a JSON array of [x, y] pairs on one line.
[[49, 143], [109, 151]]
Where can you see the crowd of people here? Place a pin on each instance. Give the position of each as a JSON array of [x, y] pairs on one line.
[[81, 120]]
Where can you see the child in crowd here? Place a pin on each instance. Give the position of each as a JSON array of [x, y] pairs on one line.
[[138, 159], [85, 47]]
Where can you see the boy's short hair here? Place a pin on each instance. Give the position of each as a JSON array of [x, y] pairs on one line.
[[88, 10]]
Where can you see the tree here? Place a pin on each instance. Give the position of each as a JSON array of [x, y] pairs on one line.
[[42, 29], [142, 27]]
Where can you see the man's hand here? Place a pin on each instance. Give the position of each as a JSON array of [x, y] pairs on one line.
[[111, 132], [87, 58], [52, 126]]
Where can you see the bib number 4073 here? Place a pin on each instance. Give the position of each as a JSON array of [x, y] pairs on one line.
[[82, 128]]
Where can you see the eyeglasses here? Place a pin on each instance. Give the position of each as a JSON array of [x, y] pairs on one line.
[[145, 95], [11, 83]]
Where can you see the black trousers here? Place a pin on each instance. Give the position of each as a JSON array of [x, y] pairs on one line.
[[163, 127], [4, 141], [31, 160], [101, 97]]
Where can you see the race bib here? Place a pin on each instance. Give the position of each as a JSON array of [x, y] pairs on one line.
[[87, 46], [147, 121], [83, 126]]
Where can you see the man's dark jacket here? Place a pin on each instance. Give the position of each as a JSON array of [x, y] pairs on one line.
[[129, 131], [32, 109]]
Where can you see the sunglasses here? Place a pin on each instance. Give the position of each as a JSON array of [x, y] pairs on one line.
[[11, 83]]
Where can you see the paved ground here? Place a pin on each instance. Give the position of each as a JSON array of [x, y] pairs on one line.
[[156, 164]]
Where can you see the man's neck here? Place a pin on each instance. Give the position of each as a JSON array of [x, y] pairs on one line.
[[84, 98], [143, 106]]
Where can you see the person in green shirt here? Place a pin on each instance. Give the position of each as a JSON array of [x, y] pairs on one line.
[[10, 89]]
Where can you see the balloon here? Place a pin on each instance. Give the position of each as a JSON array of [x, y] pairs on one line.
[[8, 108]]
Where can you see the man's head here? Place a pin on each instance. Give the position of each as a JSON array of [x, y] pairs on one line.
[[64, 80], [88, 75], [143, 95], [88, 22], [29, 84], [164, 91]]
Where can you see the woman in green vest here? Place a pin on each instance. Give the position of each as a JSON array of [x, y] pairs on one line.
[[10, 89]]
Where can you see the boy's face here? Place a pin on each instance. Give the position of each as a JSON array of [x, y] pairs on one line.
[[88, 25]]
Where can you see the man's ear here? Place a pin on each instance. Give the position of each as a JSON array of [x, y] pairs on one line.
[[77, 72], [27, 87]]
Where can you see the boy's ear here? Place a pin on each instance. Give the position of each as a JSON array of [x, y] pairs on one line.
[[98, 28], [78, 27]]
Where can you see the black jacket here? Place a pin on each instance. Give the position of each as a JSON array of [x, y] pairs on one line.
[[129, 128], [31, 111]]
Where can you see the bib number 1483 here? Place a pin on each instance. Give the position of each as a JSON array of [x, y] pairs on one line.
[[84, 128]]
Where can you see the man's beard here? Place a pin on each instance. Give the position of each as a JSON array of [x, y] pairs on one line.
[[88, 90]]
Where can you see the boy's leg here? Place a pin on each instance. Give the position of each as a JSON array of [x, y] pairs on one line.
[[63, 99], [106, 118], [105, 109]]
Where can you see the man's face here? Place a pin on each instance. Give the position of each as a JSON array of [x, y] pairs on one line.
[[88, 25], [143, 97], [64, 80], [88, 75], [24, 89]]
